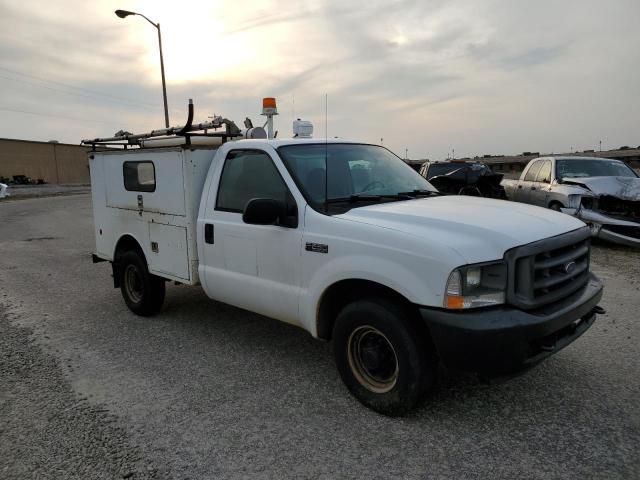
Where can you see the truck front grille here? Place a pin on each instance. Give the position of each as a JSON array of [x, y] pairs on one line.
[[549, 270]]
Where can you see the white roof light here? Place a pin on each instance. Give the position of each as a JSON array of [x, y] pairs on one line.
[[302, 128]]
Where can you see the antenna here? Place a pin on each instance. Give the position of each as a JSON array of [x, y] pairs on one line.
[[326, 163], [326, 109]]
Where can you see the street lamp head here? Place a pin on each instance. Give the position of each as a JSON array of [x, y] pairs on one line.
[[124, 13]]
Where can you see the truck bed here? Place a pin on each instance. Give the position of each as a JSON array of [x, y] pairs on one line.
[[159, 211]]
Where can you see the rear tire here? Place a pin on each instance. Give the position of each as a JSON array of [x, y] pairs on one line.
[[142, 292], [384, 359]]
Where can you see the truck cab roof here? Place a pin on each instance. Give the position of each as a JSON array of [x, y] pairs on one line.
[[280, 142]]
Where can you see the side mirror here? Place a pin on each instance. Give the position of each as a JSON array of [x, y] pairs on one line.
[[262, 211]]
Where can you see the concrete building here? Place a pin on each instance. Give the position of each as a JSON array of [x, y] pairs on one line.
[[59, 163]]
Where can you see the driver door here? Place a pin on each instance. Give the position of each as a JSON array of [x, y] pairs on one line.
[[540, 191], [528, 184], [252, 266]]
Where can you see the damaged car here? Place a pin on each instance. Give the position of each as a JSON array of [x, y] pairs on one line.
[[462, 177], [602, 192]]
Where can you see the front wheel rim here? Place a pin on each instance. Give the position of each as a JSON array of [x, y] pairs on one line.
[[133, 283], [372, 359]]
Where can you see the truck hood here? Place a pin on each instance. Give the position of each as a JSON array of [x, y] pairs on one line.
[[478, 229], [625, 188]]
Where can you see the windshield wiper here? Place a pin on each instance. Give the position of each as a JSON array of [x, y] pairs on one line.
[[418, 193], [356, 198]]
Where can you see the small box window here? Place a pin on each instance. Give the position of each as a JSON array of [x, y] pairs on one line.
[[139, 176]]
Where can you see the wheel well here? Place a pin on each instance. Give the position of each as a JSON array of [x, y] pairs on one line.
[[338, 295], [125, 244], [556, 202]]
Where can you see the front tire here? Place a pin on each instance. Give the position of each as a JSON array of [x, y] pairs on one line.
[[555, 206], [384, 359], [142, 292]]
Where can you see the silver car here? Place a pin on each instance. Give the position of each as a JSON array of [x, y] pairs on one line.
[[604, 193]]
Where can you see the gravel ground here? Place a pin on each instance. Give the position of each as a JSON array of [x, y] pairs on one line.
[[50, 431], [20, 192], [204, 390]]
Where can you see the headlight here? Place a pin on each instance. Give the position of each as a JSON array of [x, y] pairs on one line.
[[590, 203], [480, 285]]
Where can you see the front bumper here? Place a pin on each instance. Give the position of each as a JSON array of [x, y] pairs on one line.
[[601, 226], [505, 340], [605, 234]]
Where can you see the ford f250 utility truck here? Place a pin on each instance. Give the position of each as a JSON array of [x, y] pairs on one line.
[[348, 242]]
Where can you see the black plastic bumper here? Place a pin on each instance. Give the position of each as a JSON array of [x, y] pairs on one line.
[[505, 340]]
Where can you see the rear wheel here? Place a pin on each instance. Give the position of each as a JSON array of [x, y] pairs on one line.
[[142, 292], [384, 359]]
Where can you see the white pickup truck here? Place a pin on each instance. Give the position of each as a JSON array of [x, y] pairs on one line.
[[348, 242], [602, 192]]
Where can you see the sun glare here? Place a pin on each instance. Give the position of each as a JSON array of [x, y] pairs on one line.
[[194, 42]]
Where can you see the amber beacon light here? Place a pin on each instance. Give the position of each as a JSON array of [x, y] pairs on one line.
[[269, 109]]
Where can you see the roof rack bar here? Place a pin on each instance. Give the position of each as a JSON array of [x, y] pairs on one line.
[[187, 125], [231, 130]]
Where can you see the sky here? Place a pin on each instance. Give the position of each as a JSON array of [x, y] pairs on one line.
[[427, 77]]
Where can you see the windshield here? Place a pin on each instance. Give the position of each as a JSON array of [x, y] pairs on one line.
[[354, 170], [600, 167]]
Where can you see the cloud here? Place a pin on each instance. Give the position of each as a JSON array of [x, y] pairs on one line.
[[271, 20], [427, 75], [534, 56]]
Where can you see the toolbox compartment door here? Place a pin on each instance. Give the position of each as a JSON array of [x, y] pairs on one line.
[[169, 251], [166, 178]]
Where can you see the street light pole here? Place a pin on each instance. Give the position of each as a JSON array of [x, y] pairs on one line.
[[164, 84], [126, 13]]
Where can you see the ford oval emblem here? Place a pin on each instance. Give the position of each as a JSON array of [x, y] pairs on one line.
[[569, 267]]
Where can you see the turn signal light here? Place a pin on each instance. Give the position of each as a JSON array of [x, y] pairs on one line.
[[455, 302]]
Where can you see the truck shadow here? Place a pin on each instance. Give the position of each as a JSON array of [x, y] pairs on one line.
[[289, 359]]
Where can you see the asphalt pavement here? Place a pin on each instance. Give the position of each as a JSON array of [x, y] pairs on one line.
[[204, 390]]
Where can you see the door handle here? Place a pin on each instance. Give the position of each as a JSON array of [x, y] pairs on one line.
[[208, 233]]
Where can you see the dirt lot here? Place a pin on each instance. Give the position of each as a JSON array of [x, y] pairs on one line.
[[204, 390]]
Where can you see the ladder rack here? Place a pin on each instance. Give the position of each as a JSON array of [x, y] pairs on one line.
[[188, 130]]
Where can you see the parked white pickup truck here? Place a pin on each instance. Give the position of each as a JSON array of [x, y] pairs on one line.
[[603, 192], [348, 242]]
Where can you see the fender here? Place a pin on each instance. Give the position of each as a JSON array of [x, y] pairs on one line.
[[128, 238], [407, 283]]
